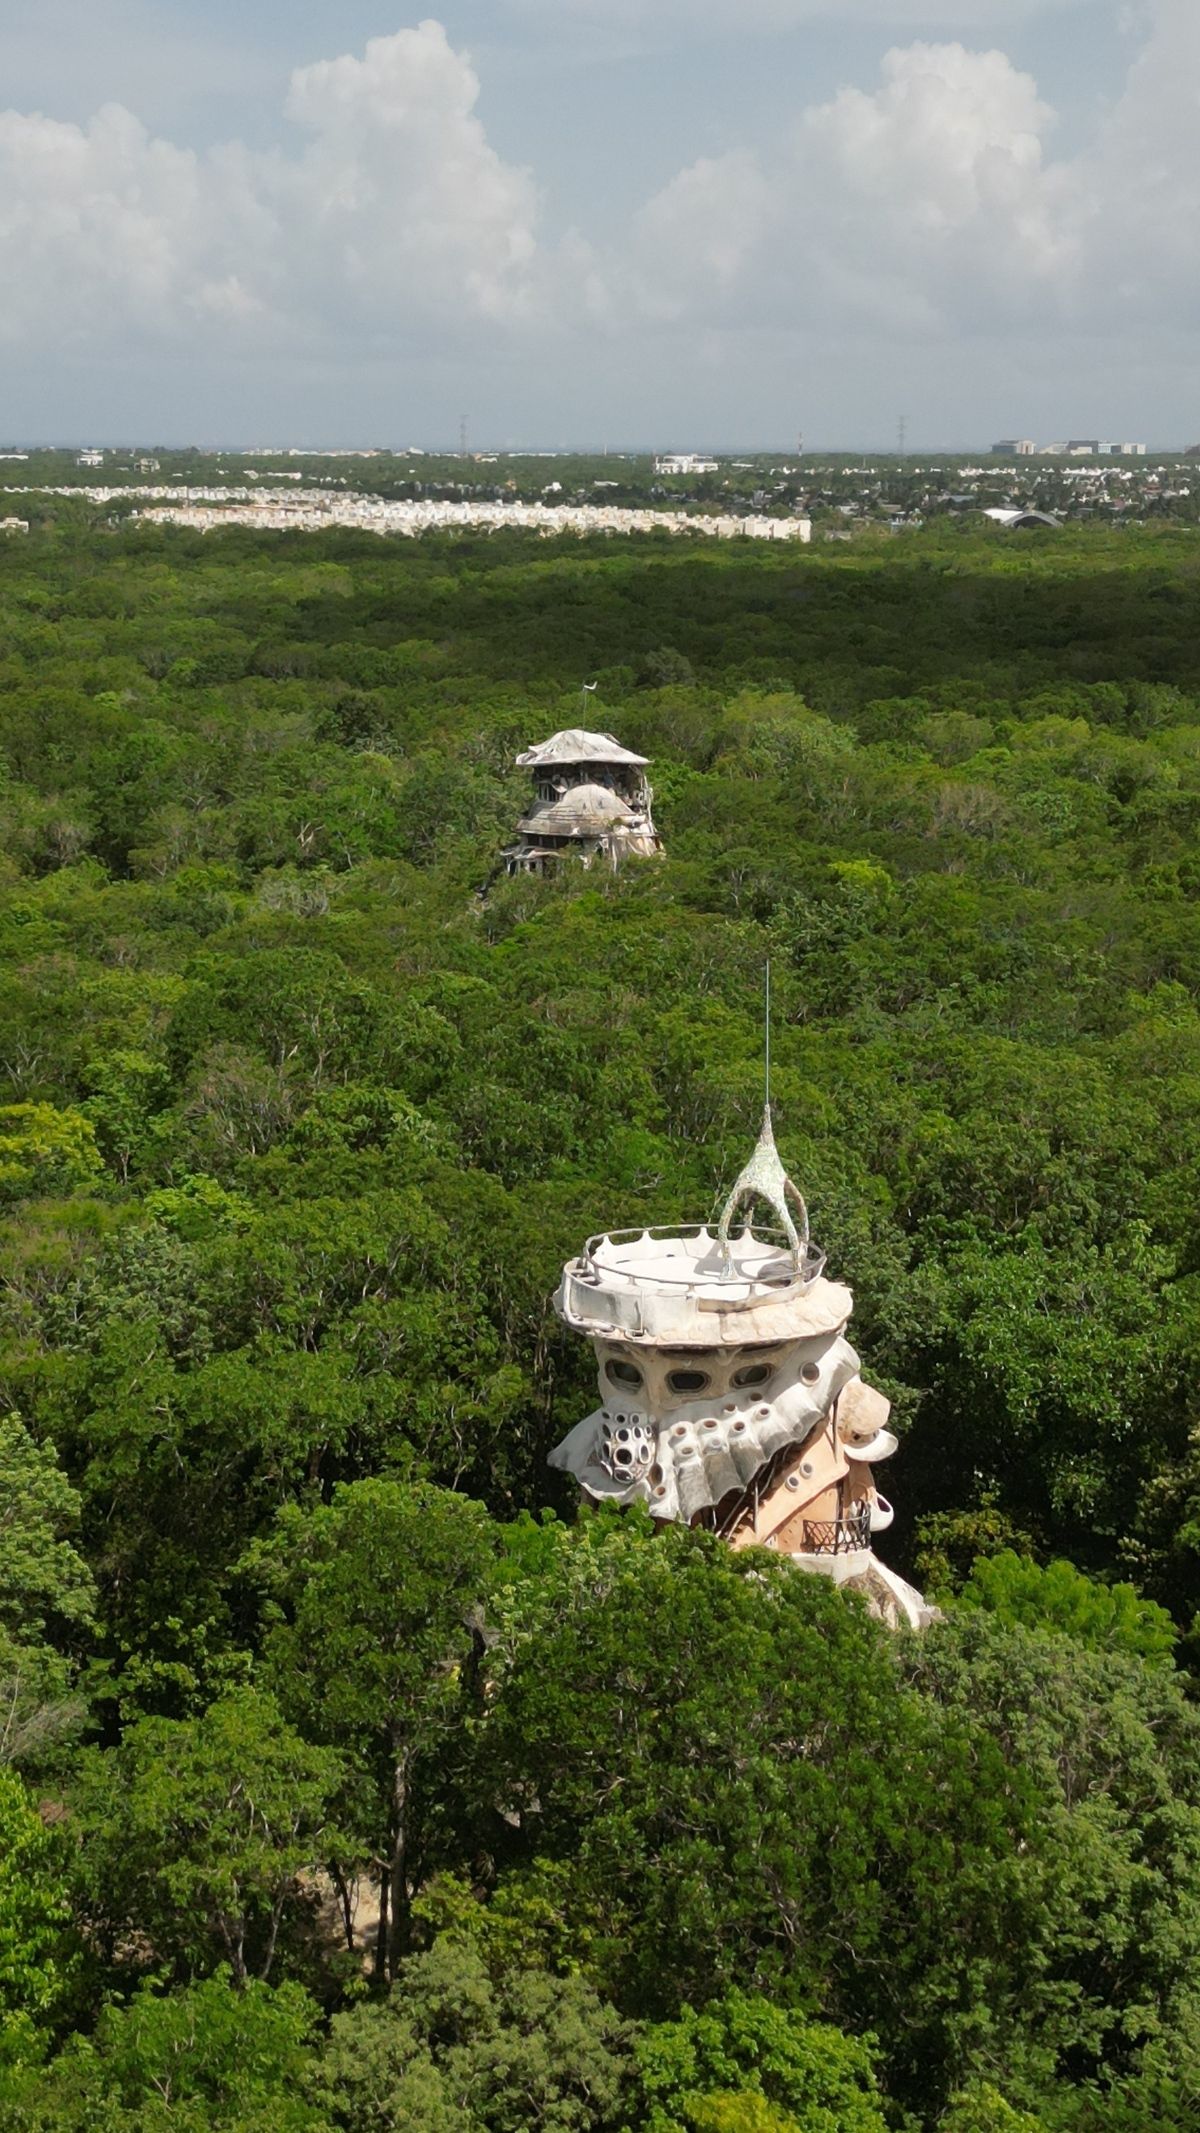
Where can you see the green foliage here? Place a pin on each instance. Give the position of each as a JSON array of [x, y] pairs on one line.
[[297, 1128], [982, 2109], [208, 2059], [380, 1590], [744, 2112], [45, 1150], [194, 1835], [454, 2050], [745, 2066], [1056, 1596], [33, 1911], [47, 1595]]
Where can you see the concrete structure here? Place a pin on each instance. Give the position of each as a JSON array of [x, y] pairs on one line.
[[730, 1397], [591, 796], [1020, 521], [684, 463], [1016, 447], [312, 510]]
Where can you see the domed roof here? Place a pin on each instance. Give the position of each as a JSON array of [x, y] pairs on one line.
[[581, 810], [576, 745]]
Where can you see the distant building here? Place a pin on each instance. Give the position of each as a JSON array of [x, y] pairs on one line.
[[90, 459], [1015, 447], [1083, 447], [591, 797], [684, 463], [1015, 521], [14, 525]]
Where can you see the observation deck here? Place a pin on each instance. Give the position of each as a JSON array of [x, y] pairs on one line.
[[690, 1287]]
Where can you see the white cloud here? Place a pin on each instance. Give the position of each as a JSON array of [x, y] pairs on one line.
[[928, 208], [395, 212], [892, 209]]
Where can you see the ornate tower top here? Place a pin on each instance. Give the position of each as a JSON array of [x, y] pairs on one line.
[[764, 1178]]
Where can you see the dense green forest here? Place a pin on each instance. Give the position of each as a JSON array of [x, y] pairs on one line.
[[352, 1782]]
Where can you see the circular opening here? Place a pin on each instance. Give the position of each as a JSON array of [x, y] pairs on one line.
[[688, 1380], [810, 1373], [680, 1430], [793, 1481], [710, 1422], [619, 1373], [738, 1427], [753, 1374]]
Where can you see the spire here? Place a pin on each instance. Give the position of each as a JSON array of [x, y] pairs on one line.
[[764, 1178]]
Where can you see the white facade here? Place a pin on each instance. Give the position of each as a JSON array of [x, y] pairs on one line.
[[730, 1397], [684, 463]]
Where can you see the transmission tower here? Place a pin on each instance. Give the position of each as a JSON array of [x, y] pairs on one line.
[[902, 434], [462, 437]]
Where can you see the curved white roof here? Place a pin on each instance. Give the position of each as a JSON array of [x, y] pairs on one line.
[[576, 745], [591, 807]]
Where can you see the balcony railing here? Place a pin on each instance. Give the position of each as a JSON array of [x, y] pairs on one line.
[[837, 1536]]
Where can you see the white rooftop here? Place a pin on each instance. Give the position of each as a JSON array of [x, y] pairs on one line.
[[576, 745], [691, 1287], [581, 807]]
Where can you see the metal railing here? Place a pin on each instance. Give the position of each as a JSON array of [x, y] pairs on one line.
[[837, 1536]]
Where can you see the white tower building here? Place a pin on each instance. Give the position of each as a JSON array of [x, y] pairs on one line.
[[729, 1395]]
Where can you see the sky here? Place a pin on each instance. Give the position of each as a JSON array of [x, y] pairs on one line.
[[685, 224]]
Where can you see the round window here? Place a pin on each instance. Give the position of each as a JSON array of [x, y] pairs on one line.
[[688, 1381], [753, 1374], [622, 1373]]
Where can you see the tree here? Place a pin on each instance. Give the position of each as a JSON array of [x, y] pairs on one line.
[[1112, 1744], [1058, 1597], [33, 1913], [195, 1833], [379, 1590], [207, 2059], [47, 1596], [982, 2109], [43, 1149], [456, 2049], [745, 2066]]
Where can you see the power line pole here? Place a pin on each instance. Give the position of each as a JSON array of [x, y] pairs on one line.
[[903, 434], [462, 437]]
